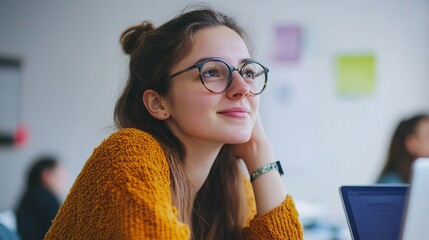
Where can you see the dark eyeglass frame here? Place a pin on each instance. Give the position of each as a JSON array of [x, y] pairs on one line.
[[231, 69]]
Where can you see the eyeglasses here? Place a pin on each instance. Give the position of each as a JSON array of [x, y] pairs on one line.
[[216, 75]]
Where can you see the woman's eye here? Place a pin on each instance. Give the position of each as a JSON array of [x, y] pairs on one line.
[[210, 73], [249, 74]]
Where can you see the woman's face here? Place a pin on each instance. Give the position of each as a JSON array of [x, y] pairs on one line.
[[421, 136], [198, 115], [56, 180]]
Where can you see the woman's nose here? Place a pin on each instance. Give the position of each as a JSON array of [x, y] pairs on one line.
[[239, 88]]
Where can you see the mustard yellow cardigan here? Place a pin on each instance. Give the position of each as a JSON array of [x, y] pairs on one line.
[[123, 192]]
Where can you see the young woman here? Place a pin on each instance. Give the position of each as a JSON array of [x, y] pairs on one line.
[[409, 142], [187, 115]]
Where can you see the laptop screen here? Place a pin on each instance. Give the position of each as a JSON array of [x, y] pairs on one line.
[[374, 212]]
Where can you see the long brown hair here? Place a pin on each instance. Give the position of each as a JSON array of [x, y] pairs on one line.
[[399, 159], [217, 212]]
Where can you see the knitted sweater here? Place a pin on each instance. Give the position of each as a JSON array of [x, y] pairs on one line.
[[123, 192]]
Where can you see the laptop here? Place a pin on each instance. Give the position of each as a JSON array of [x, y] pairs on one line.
[[389, 212], [374, 212]]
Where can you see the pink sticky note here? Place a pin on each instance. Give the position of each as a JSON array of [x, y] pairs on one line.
[[287, 43]]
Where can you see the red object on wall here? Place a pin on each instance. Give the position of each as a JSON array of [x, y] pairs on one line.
[[21, 135]]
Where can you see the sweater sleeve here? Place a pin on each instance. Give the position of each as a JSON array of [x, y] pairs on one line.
[[281, 222], [123, 192]]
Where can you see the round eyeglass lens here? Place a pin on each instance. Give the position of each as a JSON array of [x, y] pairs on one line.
[[255, 76], [215, 75]]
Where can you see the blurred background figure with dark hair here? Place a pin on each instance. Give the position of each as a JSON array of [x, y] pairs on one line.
[[409, 142], [40, 202]]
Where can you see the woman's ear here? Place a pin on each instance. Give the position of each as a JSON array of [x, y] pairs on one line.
[[155, 104]]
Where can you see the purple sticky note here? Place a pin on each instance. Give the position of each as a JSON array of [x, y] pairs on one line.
[[287, 43]]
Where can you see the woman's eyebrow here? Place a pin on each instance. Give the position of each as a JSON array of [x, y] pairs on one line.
[[244, 60], [204, 59]]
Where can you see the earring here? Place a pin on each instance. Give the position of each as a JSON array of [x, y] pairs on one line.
[[165, 115]]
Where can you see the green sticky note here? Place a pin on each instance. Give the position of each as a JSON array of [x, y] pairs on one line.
[[356, 74]]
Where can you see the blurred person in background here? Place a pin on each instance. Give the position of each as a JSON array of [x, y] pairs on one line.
[[46, 183], [409, 142]]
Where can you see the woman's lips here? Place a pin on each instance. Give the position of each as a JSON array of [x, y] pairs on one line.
[[235, 112]]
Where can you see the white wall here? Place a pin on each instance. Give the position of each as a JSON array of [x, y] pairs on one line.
[[73, 69]]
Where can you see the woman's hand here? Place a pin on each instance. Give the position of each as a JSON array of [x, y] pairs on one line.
[[257, 151]]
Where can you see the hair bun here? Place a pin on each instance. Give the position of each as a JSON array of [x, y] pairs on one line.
[[130, 39]]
